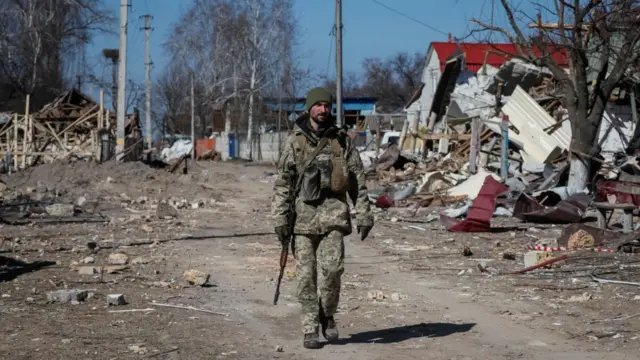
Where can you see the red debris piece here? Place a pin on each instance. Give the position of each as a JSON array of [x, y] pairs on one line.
[[481, 211], [384, 202]]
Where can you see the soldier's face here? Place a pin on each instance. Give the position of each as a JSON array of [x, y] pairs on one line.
[[320, 112]]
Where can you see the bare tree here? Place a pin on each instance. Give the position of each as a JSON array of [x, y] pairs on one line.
[[600, 38], [135, 91], [39, 40], [266, 22], [392, 81], [203, 41], [351, 85], [238, 50]]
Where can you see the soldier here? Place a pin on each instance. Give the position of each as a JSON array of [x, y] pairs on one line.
[[318, 168]]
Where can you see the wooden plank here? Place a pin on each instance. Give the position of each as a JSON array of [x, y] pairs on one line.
[[378, 137], [25, 137], [441, 136], [15, 140], [80, 120], [467, 146]]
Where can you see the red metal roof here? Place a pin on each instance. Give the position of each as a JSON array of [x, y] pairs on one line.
[[475, 53]]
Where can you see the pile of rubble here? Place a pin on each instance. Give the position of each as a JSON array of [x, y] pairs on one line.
[[473, 182]]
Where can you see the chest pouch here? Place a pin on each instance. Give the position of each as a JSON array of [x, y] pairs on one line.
[[339, 170], [310, 186]]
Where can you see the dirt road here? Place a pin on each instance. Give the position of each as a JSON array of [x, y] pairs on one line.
[[387, 311]]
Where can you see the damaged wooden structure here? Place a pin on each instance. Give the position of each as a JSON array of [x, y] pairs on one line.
[[72, 125]]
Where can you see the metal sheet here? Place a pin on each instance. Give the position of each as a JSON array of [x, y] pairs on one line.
[[531, 119]]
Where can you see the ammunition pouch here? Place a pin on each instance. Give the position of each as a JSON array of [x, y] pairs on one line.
[[339, 170], [328, 173], [311, 185]]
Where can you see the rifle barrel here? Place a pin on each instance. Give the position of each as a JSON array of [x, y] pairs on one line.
[[283, 263]]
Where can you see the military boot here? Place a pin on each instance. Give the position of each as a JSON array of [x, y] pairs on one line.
[[311, 341], [328, 324], [330, 329]]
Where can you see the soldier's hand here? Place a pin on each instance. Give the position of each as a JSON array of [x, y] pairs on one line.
[[364, 231], [283, 234]]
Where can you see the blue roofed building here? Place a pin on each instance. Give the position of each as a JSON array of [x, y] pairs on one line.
[[355, 110]]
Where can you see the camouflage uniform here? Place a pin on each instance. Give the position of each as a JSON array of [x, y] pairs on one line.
[[319, 228]]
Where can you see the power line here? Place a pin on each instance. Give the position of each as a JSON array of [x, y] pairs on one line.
[[410, 18], [331, 35]]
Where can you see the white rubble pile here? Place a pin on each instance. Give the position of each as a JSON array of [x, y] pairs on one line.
[[366, 157], [179, 149], [472, 98]]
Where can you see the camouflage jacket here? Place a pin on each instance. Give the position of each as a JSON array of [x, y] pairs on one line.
[[333, 212]]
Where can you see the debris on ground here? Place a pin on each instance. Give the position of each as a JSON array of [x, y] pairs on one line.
[[196, 277], [115, 300], [67, 296]]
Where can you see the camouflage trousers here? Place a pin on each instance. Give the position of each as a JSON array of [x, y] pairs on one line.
[[319, 268]]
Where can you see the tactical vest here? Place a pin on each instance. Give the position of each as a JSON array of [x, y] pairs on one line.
[[326, 172]]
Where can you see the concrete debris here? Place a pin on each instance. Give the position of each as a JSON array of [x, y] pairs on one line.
[[376, 295], [60, 210], [532, 258], [89, 270], [581, 298], [138, 349], [118, 259], [88, 260], [198, 204], [166, 211], [81, 201], [116, 300], [196, 277], [67, 296], [92, 270], [114, 269], [140, 260]]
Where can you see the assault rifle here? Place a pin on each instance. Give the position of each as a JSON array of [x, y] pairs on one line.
[[291, 221]]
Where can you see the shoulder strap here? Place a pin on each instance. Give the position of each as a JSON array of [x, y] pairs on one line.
[[316, 151]]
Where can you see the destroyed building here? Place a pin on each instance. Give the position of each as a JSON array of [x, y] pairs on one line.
[[73, 125], [451, 153]]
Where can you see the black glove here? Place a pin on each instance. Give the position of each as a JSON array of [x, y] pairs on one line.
[[283, 234], [364, 231]]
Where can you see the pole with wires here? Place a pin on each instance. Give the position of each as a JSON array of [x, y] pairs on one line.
[[339, 115]]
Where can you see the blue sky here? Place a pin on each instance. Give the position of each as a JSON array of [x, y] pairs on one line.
[[370, 30]]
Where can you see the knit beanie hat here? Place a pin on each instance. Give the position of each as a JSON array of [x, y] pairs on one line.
[[317, 95]]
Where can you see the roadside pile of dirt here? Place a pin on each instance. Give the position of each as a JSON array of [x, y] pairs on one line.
[[73, 179]]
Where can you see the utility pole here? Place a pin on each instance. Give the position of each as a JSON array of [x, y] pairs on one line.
[[147, 79], [122, 80], [114, 56], [339, 115], [193, 119], [236, 117]]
